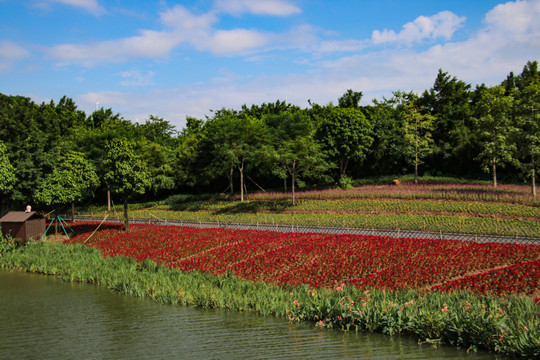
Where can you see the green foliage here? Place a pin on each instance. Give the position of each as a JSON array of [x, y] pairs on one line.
[[459, 319], [238, 140], [126, 174], [528, 115], [494, 123], [345, 134], [188, 154], [448, 130], [71, 180], [345, 183], [417, 128], [6, 244], [7, 171], [159, 160], [454, 144], [175, 200], [295, 150], [351, 99], [25, 137]]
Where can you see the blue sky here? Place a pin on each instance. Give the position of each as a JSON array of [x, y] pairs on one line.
[[174, 59]]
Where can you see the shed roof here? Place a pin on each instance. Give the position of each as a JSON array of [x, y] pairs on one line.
[[19, 216]]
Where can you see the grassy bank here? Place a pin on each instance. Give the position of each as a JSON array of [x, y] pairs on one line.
[[397, 221], [510, 325]]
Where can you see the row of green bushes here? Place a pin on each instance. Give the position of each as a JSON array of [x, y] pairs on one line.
[[510, 326]]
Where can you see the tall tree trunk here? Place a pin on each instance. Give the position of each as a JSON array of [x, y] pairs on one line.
[[231, 184], [416, 153], [126, 218], [494, 172], [241, 168], [292, 183], [533, 165], [416, 167], [343, 162], [285, 179], [108, 200], [72, 212]]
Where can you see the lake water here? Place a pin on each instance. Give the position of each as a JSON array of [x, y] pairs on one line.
[[42, 317]]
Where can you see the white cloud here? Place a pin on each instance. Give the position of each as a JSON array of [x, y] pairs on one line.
[[136, 78], [519, 17], [10, 52], [233, 41], [341, 46], [106, 99], [184, 27], [182, 18], [441, 25], [149, 44], [260, 7], [92, 6], [510, 37]]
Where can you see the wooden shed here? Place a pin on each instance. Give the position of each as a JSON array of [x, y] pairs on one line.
[[23, 225]]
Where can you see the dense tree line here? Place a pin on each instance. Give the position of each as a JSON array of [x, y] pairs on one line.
[[53, 153]]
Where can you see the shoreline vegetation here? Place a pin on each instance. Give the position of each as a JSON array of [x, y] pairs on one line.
[[471, 322]]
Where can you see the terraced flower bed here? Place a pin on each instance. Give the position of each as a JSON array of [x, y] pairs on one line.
[[321, 260]]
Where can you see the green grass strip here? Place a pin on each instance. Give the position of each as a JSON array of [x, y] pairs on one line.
[[444, 223], [510, 326], [465, 207]]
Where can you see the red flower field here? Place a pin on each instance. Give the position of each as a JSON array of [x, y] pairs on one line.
[[322, 260]]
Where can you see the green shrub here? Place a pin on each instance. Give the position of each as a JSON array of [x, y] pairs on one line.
[[345, 182], [6, 243]]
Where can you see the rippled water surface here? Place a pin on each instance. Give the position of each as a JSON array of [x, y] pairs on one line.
[[44, 318]]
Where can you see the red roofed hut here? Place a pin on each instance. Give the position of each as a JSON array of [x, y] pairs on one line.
[[22, 226]]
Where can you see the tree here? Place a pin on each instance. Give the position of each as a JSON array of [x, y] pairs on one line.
[[346, 135], [529, 125], [388, 153], [158, 130], [237, 140], [71, 180], [101, 127], [26, 140], [495, 127], [188, 163], [453, 141], [126, 174], [259, 111], [159, 160], [525, 90], [417, 128], [351, 99], [529, 74], [7, 174], [295, 150]]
